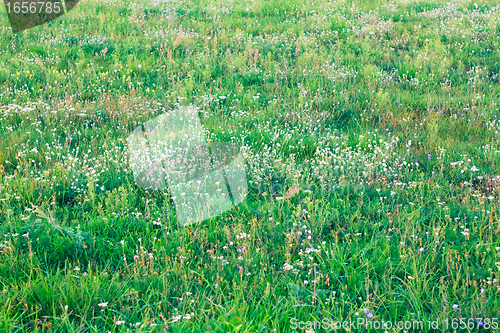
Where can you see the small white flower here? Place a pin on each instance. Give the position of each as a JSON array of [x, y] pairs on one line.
[[103, 304]]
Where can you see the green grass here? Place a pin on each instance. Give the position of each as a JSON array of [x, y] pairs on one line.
[[327, 106]]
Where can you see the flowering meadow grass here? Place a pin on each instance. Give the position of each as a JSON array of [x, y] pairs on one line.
[[370, 132]]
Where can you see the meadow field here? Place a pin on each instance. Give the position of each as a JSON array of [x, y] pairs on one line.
[[370, 132]]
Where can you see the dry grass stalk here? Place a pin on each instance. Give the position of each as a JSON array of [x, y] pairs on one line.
[[291, 192], [178, 39]]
